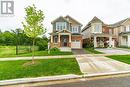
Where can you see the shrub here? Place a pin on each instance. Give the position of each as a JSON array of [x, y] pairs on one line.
[[87, 43], [43, 45], [54, 50]]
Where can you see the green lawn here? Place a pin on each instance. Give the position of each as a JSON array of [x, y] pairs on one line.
[[9, 51], [125, 47], [122, 58], [46, 67], [93, 51]]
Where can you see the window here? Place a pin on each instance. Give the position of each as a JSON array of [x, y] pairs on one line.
[[97, 28], [129, 27], [60, 26], [55, 39], [75, 29], [124, 28]]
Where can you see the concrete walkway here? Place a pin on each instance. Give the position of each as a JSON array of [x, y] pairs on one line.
[[79, 51], [114, 51], [90, 64], [37, 57]]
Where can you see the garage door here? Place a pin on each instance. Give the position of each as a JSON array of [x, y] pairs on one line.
[[75, 44]]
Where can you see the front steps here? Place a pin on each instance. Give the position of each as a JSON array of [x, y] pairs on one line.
[[67, 49]]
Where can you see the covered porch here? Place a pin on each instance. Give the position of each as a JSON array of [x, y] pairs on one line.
[[125, 40], [103, 40], [61, 40]]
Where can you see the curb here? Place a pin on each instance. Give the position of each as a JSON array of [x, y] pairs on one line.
[[57, 78], [39, 79], [105, 74]]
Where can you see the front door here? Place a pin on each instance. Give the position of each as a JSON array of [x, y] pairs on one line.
[[65, 42]]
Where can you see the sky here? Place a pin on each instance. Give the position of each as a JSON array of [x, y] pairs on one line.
[[110, 11]]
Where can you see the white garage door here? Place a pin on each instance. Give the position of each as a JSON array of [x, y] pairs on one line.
[[75, 44]]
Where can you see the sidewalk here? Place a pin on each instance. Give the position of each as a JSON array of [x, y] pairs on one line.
[[36, 57]]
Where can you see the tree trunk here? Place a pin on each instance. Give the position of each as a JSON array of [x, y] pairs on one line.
[[17, 45], [16, 49], [33, 51]]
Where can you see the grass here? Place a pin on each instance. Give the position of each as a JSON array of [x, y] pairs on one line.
[[46, 67], [124, 47], [93, 51], [121, 58], [9, 51]]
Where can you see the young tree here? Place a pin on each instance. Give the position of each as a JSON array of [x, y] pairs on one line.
[[33, 26]]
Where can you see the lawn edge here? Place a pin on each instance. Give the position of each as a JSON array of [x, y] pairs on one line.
[[57, 78]]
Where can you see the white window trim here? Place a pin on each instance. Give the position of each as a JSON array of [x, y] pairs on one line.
[[61, 25], [75, 29], [99, 28]]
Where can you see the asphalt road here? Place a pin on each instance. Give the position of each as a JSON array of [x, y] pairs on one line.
[[108, 82]]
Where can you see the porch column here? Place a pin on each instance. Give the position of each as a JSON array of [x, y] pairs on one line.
[[51, 38], [95, 41], [59, 44], [128, 41], [110, 41], [59, 38], [120, 41], [70, 38]]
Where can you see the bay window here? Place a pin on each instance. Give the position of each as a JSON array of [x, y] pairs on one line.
[[60, 26]]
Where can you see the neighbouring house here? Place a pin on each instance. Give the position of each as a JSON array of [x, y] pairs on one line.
[[99, 34], [122, 32], [104, 35], [66, 34]]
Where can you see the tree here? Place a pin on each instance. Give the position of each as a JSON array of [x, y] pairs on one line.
[[16, 33], [33, 26]]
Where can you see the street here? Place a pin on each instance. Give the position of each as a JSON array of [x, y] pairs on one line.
[[108, 82]]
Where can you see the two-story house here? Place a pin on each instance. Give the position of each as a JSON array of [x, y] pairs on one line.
[[99, 33], [66, 34], [122, 31]]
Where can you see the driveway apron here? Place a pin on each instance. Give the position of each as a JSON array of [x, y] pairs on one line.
[[90, 64]]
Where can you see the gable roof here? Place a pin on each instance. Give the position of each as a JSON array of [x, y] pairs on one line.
[[70, 18], [117, 24], [59, 18], [94, 20]]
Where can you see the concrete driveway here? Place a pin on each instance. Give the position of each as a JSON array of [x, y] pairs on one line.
[[90, 64], [119, 51], [79, 51]]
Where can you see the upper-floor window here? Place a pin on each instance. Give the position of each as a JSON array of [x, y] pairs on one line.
[[128, 28], [97, 28], [60, 26], [75, 29], [124, 28]]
